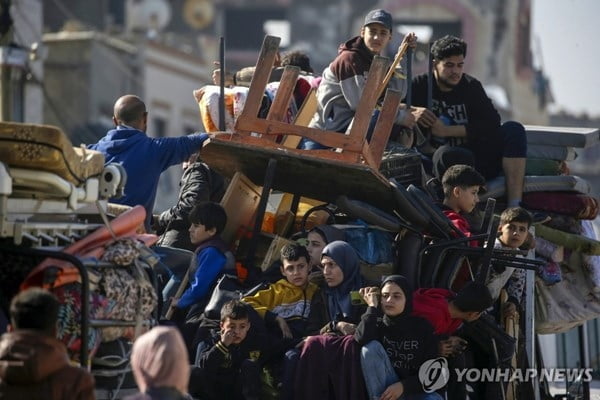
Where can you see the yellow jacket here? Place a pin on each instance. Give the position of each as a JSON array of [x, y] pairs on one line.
[[284, 300]]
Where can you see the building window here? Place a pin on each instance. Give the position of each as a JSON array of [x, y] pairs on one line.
[[246, 28]]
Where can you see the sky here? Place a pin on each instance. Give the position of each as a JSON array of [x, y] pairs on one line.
[[568, 32]]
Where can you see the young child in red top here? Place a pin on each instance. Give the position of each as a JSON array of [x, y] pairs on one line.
[[447, 311], [461, 185]]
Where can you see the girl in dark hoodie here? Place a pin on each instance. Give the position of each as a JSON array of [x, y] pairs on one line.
[[395, 343]]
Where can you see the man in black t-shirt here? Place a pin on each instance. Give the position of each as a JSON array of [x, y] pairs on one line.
[[464, 125]]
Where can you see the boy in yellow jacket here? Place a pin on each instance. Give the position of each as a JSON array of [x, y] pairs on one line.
[[286, 302]]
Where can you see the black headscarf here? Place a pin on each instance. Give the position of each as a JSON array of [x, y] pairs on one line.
[[408, 294]]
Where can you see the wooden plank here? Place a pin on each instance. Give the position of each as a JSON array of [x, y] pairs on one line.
[[368, 99], [327, 138], [383, 128], [304, 116], [264, 65], [308, 109], [562, 136], [304, 174], [281, 103], [349, 156]]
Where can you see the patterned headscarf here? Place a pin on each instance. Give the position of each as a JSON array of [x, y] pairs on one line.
[[339, 297]]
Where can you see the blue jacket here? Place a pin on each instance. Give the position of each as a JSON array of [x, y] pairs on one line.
[[210, 262], [144, 159]]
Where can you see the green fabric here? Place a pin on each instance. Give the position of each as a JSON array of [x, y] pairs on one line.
[[569, 240], [540, 166]]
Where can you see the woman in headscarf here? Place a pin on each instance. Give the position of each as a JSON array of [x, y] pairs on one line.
[[395, 344], [329, 364], [332, 309], [318, 237], [160, 365]]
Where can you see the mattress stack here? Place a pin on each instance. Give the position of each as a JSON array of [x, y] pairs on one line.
[[568, 289]]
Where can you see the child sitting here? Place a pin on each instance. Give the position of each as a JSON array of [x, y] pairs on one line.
[[447, 311], [461, 185], [229, 363], [513, 233], [395, 342], [208, 220], [327, 365], [287, 301]]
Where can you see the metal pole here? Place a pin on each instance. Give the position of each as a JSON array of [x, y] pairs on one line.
[[430, 79], [530, 350], [409, 76], [222, 85], [5, 97], [584, 361]]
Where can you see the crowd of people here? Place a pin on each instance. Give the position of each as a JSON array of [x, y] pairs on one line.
[[319, 329]]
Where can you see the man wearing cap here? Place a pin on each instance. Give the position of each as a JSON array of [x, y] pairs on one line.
[[143, 158], [344, 79]]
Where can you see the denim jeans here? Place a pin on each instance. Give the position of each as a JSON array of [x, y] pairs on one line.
[[379, 373]]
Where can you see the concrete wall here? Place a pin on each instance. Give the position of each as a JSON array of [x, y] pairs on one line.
[[169, 78], [27, 17], [85, 73]]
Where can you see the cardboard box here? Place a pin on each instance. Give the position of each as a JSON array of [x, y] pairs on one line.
[[240, 203]]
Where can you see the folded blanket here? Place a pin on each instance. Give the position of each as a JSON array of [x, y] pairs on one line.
[[580, 206], [497, 186]]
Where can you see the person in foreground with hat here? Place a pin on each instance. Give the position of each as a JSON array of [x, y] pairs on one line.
[[343, 81]]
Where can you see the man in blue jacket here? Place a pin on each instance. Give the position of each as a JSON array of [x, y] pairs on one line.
[[143, 158]]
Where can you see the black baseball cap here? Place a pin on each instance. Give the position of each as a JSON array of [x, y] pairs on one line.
[[379, 16]]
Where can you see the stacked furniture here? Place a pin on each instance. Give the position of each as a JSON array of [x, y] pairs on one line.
[[568, 288]]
